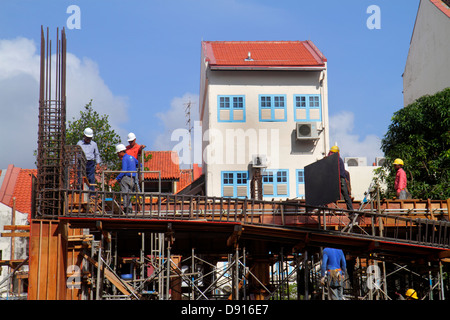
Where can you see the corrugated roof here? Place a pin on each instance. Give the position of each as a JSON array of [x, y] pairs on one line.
[[165, 161], [263, 53]]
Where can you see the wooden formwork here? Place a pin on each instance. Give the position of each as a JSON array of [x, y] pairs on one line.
[[54, 260]]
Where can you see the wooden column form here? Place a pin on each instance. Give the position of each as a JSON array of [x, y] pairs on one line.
[[48, 261], [259, 262]]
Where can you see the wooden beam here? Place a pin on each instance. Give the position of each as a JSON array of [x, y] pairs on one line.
[[234, 237], [16, 228], [448, 208], [15, 234], [11, 263], [122, 286]]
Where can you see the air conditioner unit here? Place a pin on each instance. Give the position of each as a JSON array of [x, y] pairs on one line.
[[307, 131], [356, 161], [380, 161], [259, 161]]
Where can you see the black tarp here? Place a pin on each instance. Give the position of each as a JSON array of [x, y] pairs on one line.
[[322, 181]]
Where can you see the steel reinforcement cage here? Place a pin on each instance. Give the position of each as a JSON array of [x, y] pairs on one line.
[[51, 127]]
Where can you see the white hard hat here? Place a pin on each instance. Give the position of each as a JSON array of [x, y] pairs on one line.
[[88, 132], [131, 136], [120, 147]]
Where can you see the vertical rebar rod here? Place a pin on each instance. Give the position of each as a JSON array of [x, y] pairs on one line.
[[306, 270], [193, 274], [168, 272], [99, 268], [236, 274]]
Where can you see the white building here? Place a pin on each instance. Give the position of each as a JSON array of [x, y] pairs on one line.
[[427, 69], [265, 98], [21, 246]]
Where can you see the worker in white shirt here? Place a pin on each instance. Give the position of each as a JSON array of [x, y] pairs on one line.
[[92, 154]]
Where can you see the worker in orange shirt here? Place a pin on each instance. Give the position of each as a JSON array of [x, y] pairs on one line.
[[135, 150]]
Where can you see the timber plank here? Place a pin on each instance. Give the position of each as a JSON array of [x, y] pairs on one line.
[[16, 227], [122, 287], [15, 234]]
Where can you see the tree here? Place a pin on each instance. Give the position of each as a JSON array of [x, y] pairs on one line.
[[420, 135], [105, 137]]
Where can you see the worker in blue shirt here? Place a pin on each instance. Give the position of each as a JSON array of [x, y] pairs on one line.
[[334, 267], [126, 179], [92, 154]]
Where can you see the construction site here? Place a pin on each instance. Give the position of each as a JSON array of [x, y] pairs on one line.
[[189, 246]]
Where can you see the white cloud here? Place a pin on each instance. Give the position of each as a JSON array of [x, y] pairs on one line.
[[174, 120], [19, 98], [85, 83], [350, 144]]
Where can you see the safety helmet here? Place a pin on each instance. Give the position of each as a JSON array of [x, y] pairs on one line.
[[131, 136], [88, 132], [120, 147], [398, 161], [411, 293], [334, 149]]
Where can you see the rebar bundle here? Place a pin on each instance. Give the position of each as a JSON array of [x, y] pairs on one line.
[[75, 166], [51, 130]]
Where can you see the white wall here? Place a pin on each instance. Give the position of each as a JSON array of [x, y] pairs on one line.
[[21, 244], [427, 69], [361, 178], [276, 139]]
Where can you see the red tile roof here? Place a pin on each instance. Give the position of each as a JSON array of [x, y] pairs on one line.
[[17, 184], [441, 5], [185, 179], [165, 161], [22, 190], [263, 53], [8, 184], [188, 176]]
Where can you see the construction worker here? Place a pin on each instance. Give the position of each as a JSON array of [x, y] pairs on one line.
[[135, 150], [129, 163], [92, 154], [344, 179], [411, 294], [400, 180], [333, 270]]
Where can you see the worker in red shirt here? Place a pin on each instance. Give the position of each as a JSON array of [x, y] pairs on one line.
[[135, 150], [400, 180]]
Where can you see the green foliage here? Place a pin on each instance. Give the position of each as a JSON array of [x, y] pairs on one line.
[[420, 135], [105, 137]]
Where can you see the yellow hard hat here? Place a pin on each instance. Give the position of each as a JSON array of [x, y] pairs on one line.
[[334, 149], [411, 293], [398, 161]]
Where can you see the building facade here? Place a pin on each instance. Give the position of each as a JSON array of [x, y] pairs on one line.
[[427, 69], [263, 109]]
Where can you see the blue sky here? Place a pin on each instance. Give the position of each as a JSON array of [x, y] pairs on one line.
[[140, 62]]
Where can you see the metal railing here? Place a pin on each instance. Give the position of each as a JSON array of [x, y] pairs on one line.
[[370, 224]]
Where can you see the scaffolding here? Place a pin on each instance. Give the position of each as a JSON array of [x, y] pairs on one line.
[[157, 274]]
